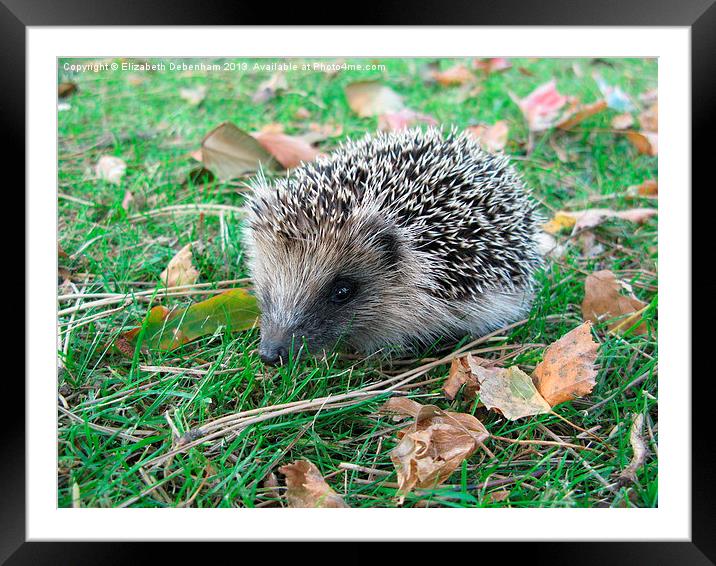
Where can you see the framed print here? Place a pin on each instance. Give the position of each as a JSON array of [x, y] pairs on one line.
[[322, 283]]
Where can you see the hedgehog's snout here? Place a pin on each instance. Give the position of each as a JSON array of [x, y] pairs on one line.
[[273, 353]]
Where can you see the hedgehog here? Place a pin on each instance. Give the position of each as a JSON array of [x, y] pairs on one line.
[[391, 242]]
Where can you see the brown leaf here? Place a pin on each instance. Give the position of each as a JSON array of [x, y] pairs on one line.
[[623, 121], [433, 446], [461, 374], [289, 151], [110, 168], [307, 488], [64, 89], [302, 113], [492, 138], [193, 95], [180, 270], [497, 496], [229, 152], [567, 369], [269, 88], [645, 142], [391, 121], [649, 188], [580, 220], [605, 300], [510, 391], [542, 106], [456, 75], [580, 113], [491, 64], [371, 98]]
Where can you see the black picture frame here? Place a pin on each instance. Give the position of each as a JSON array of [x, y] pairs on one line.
[[698, 15]]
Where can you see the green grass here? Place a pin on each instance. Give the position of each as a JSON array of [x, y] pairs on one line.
[[146, 123]]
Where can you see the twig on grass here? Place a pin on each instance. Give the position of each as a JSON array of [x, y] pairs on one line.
[[232, 423]]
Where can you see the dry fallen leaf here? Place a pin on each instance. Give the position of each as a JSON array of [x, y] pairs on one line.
[[64, 89], [622, 121], [269, 88], [433, 446], [649, 188], [456, 75], [460, 374], [229, 152], [510, 391], [180, 270], [580, 220], [542, 106], [606, 298], [110, 168], [492, 138], [371, 98], [580, 113], [567, 369], [289, 151], [307, 488], [645, 142], [391, 121], [491, 64], [639, 449], [193, 95]]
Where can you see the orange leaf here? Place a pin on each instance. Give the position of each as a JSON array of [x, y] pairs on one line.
[[605, 300], [580, 113], [645, 142], [567, 370], [649, 188]]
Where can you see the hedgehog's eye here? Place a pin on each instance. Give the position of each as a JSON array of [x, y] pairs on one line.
[[342, 292]]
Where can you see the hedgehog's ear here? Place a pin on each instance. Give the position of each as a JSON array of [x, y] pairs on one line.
[[387, 240]]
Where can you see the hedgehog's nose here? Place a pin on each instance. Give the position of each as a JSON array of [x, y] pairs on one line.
[[273, 353]]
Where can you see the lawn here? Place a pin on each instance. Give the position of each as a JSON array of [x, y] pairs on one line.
[[120, 416]]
